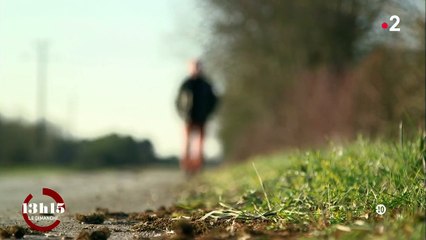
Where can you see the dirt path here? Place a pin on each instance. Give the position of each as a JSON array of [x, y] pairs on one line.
[[127, 191]]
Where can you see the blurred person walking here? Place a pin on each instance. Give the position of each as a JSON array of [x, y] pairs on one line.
[[195, 103]]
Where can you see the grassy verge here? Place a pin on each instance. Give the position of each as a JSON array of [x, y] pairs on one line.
[[331, 193]]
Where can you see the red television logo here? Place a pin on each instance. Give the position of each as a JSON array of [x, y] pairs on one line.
[[33, 208], [394, 27]]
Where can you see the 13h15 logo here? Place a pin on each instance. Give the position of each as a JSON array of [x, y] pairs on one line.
[[33, 213]]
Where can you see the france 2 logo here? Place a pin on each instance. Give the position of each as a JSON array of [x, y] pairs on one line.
[[394, 28]]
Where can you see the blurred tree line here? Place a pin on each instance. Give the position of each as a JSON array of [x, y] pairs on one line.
[[299, 72], [22, 144]]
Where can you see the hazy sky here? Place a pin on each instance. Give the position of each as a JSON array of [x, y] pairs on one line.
[[114, 65]]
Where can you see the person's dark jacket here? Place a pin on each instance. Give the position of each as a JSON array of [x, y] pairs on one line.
[[196, 100]]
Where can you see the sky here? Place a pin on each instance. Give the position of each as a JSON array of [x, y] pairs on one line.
[[113, 66]]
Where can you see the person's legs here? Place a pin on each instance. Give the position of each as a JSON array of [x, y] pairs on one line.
[[192, 159], [198, 164], [185, 161], [202, 131]]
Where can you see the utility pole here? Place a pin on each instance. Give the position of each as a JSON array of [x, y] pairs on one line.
[[41, 101], [42, 58]]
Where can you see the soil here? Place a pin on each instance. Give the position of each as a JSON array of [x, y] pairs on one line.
[[117, 205], [86, 192]]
